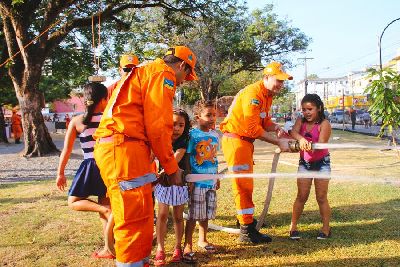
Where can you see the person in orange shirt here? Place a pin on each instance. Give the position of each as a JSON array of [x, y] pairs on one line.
[[16, 126], [137, 120], [67, 121], [246, 121], [126, 64]]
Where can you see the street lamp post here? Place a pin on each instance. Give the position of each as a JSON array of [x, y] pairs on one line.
[[343, 107], [380, 41]]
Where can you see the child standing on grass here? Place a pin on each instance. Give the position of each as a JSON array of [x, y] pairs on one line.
[[87, 181], [202, 156], [175, 196], [312, 128]]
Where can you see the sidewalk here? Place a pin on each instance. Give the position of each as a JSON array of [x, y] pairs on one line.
[[371, 131]]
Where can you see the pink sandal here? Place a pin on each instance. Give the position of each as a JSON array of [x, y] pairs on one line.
[[159, 260], [177, 256]]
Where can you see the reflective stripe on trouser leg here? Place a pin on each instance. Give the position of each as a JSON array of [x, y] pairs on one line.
[[132, 208], [239, 157], [142, 263]]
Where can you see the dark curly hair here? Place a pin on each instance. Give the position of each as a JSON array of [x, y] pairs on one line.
[[200, 105], [316, 100]]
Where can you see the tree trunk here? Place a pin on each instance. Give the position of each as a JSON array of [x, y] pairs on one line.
[[36, 135], [209, 89], [3, 134]]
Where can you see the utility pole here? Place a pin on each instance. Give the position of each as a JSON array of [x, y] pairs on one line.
[[305, 72]]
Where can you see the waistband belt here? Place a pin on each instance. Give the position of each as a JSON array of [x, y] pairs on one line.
[[137, 182], [244, 138]]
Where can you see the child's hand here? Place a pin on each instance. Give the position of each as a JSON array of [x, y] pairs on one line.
[[61, 182], [218, 184], [304, 144]]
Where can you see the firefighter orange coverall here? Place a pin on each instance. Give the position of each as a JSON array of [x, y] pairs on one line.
[[137, 119], [16, 126], [246, 120]]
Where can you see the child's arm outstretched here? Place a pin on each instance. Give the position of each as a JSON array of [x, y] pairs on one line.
[[69, 140], [295, 133]]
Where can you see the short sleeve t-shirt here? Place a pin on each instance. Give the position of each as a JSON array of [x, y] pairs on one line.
[[203, 147], [178, 144]]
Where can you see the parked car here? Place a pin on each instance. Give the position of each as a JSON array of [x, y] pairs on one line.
[[337, 116], [359, 116]]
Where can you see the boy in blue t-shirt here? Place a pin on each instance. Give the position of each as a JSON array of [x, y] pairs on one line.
[[202, 156]]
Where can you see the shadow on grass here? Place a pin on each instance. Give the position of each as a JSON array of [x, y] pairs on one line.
[[15, 182], [47, 197], [390, 261], [351, 225]]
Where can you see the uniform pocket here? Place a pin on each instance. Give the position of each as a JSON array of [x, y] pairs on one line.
[[137, 203], [132, 159]]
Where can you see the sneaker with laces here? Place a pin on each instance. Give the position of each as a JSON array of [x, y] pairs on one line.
[[294, 235], [321, 235]]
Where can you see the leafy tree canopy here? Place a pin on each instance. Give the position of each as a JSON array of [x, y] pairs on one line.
[[230, 42], [384, 91]]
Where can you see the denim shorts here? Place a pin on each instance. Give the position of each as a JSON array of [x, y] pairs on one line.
[[322, 165]]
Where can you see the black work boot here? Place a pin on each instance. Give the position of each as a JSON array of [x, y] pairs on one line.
[[249, 234]]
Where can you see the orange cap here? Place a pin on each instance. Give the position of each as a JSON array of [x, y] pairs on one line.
[[275, 68], [186, 55], [128, 60]]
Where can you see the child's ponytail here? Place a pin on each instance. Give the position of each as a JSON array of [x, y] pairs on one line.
[[93, 93]]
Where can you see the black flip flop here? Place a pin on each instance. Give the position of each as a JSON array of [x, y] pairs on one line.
[[189, 258]]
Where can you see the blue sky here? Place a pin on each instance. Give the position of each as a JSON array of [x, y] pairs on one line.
[[344, 33]]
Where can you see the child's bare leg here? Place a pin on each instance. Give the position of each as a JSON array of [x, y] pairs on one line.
[[105, 202], [189, 229], [84, 204], [178, 225], [161, 226], [303, 191], [203, 227], [321, 194]]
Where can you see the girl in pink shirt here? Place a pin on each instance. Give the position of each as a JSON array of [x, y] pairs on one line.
[[312, 128]]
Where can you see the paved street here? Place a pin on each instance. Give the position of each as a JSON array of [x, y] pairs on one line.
[[373, 131]]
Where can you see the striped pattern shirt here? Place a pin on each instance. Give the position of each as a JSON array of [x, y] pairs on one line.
[[86, 137]]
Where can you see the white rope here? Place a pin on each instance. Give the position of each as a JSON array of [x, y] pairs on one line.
[[351, 146], [218, 227]]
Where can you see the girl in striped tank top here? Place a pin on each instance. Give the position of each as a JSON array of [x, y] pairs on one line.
[[87, 181]]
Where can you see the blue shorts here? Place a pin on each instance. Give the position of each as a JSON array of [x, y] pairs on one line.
[[322, 165]]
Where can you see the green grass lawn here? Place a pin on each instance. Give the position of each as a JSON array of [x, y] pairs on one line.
[[38, 229]]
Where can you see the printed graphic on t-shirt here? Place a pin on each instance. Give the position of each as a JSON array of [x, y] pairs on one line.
[[203, 147], [206, 151]]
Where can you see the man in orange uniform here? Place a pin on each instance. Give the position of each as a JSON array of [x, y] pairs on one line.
[[16, 126], [138, 119], [246, 121], [126, 64]]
